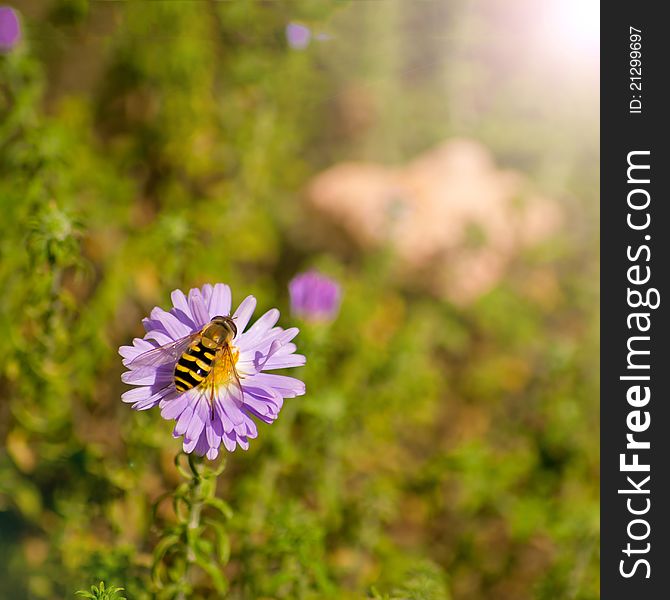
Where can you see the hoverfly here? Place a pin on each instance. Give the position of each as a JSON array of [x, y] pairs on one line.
[[200, 358]]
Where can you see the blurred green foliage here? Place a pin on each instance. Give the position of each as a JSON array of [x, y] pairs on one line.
[[100, 592], [439, 452]]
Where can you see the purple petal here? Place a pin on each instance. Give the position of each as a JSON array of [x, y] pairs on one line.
[[217, 423], [226, 421], [171, 409], [285, 349], [198, 308], [260, 359], [159, 337], [181, 309], [288, 387], [258, 330], [229, 441], [284, 362], [202, 447], [287, 335], [149, 376], [252, 431], [139, 346], [189, 444], [201, 413], [262, 393], [231, 409], [184, 420], [144, 392], [213, 437], [146, 404], [262, 408], [172, 325], [266, 418], [220, 301], [179, 302], [136, 394], [243, 313], [206, 291]]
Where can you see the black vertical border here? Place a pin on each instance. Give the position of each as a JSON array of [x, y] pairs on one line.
[[621, 133]]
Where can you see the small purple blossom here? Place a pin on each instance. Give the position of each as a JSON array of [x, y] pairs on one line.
[[225, 418], [314, 297], [10, 28], [298, 36]]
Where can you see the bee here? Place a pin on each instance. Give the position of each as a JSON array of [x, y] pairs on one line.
[[200, 359]]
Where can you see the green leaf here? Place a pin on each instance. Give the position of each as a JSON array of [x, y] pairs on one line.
[[214, 572], [220, 505], [222, 540], [162, 548]]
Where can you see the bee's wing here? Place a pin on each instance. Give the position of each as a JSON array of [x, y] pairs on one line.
[[147, 362], [236, 378]]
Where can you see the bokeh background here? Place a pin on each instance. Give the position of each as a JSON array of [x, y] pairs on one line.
[[439, 159]]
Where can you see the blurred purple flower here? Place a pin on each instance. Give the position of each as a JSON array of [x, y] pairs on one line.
[[227, 419], [314, 297], [298, 36], [10, 28]]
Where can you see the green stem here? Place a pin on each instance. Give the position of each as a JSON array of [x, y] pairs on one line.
[[183, 540]]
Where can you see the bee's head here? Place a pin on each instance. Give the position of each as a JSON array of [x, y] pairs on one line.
[[227, 330]]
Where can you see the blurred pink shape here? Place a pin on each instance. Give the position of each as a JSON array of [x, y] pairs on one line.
[[298, 36], [450, 213], [314, 296], [10, 28]]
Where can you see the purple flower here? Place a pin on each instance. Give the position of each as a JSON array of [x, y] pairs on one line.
[[220, 409], [298, 36], [10, 28], [314, 297]]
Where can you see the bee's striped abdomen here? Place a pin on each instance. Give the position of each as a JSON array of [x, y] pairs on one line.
[[193, 366]]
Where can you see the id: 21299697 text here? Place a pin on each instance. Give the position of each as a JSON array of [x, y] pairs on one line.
[[635, 66]]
